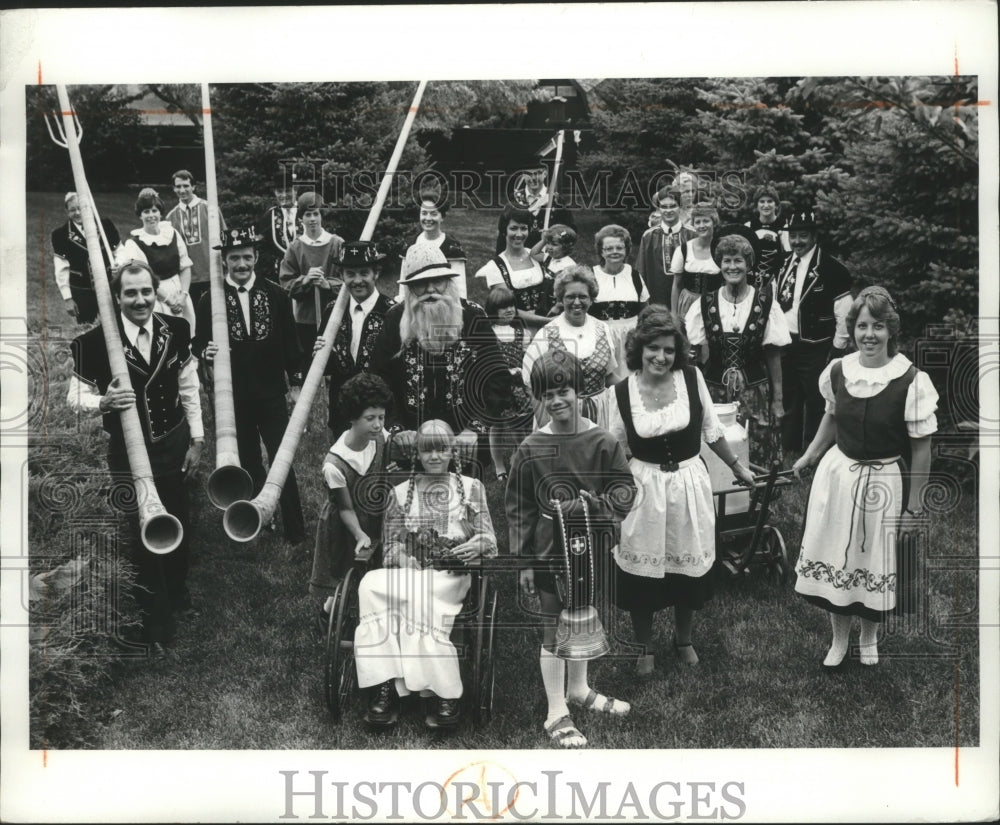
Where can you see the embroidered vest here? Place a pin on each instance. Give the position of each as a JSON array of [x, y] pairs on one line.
[[742, 351], [537, 299]]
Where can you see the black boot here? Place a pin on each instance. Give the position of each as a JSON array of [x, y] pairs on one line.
[[383, 709]]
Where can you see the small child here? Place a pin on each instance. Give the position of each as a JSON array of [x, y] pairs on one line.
[[348, 521], [407, 608], [567, 457], [513, 337], [552, 251]]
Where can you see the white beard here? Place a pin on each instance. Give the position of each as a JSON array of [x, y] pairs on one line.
[[435, 325]]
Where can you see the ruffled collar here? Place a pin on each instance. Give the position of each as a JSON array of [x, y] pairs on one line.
[[165, 236], [858, 374]]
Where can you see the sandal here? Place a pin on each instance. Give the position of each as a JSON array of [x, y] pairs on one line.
[[565, 734], [599, 703], [686, 653], [502, 476]]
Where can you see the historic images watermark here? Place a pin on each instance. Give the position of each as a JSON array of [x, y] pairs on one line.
[[485, 790], [496, 188]]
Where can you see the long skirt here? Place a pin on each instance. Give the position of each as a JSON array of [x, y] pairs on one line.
[[667, 546], [404, 629], [847, 564]]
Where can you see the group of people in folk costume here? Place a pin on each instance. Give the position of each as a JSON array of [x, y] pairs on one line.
[[575, 382]]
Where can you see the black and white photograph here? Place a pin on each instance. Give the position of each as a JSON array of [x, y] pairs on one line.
[[389, 435]]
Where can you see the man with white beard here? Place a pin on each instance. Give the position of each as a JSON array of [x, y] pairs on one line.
[[439, 355]]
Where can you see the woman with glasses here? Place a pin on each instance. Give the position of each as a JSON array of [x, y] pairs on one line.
[[578, 332], [621, 291]]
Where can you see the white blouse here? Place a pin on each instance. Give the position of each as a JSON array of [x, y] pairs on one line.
[[617, 287], [690, 263], [671, 418], [519, 278], [734, 317], [357, 460], [864, 382]]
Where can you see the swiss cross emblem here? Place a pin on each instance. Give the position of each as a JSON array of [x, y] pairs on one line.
[[578, 546]]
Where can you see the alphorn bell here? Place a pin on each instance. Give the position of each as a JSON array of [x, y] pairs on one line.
[[228, 482], [244, 519], [160, 531]]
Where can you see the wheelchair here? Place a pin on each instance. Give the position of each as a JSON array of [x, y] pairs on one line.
[[473, 634]]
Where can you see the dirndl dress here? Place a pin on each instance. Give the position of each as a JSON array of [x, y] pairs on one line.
[[667, 546], [848, 563]]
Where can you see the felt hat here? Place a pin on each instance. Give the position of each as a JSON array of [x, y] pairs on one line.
[[233, 238], [359, 254], [803, 219], [424, 262]]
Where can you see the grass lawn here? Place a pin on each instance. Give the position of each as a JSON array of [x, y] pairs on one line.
[[247, 671]]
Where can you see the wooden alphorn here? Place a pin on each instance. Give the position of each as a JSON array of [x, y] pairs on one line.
[[160, 531], [228, 482], [244, 519]]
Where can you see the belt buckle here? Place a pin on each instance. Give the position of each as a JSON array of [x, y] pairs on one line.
[[670, 467]]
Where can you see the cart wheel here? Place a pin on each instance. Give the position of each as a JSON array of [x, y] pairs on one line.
[[776, 555], [484, 668], [339, 675]]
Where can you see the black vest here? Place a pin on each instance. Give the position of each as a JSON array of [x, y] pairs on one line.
[[871, 428], [672, 447]]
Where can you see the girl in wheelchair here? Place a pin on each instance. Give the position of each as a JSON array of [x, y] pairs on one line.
[[436, 523]]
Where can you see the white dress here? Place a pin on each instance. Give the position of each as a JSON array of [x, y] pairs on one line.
[[671, 528], [847, 563], [406, 614]]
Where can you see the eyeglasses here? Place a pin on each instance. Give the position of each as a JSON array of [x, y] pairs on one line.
[[580, 299]]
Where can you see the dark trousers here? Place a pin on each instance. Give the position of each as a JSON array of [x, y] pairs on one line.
[[161, 579], [801, 365], [265, 419], [307, 334], [196, 290], [86, 304]]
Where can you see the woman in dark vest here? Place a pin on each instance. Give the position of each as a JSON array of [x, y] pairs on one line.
[[741, 343], [875, 446], [157, 244], [518, 271], [667, 548]]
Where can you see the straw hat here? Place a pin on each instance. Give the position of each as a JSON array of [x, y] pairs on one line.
[[424, 262]]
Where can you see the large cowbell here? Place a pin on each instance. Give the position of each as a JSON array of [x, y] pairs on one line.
[[579, 633]]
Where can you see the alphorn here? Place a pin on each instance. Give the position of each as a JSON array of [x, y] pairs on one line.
[[243, 519], [160, 531], [228, 482]]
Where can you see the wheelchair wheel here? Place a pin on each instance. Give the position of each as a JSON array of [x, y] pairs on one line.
[[484, 665], [339, 677], [775, 554]]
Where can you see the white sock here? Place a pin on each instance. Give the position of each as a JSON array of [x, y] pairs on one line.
[[328, 604], [576, 680], [869, 642], [841, 637], [554, 681]]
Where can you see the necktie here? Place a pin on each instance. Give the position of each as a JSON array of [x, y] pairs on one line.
[[787, 292], [142, 344], [357, 322], [244, 297]]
